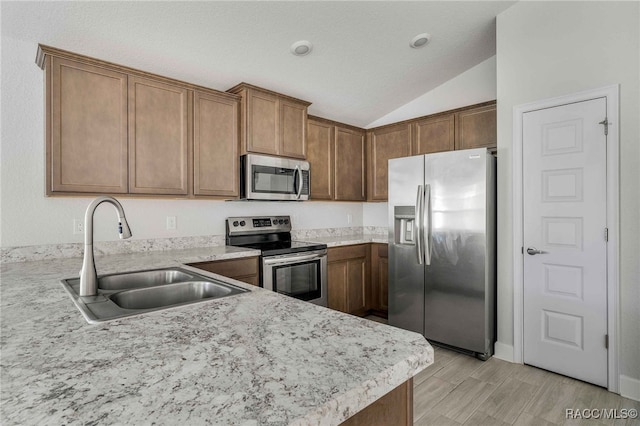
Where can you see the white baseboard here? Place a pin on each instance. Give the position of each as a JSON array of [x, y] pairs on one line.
[[630, 387], [503, 351]]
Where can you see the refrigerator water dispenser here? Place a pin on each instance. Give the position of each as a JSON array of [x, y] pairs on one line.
[[405, 230]]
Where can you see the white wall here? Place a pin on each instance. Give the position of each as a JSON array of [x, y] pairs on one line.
[[375, 214], [548, 49], [476, 85]]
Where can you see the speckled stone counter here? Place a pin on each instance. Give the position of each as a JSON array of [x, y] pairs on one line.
[[347, 240], [250, 359]]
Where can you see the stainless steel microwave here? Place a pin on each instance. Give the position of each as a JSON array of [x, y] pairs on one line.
[[273, 178]]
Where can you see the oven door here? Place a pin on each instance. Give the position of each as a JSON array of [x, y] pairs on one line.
[[273, 178], [300, 275]]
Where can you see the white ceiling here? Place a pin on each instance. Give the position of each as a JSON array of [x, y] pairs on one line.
[[361, 67]]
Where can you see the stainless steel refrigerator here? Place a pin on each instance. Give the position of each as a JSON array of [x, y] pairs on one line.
[[442, 248]]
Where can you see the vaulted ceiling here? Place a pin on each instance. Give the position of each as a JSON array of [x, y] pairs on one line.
[[361, 66]]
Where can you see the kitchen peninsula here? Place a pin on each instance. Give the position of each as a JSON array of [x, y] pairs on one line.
[[250, 359]]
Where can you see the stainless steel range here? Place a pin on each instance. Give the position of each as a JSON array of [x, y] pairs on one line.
[[294, 268]]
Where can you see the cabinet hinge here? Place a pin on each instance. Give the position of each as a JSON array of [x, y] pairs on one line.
[[605, 123], [606, 341], [606, 234], [522, 250]]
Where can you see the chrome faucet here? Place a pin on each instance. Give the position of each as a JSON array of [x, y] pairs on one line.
[[88, 275]]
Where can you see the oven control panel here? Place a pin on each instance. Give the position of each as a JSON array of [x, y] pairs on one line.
[[258, 224]]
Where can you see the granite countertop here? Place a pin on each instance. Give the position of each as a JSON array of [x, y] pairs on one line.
[[347, 240], [250, 359]]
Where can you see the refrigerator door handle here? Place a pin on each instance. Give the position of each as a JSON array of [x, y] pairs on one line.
[[426, 223], [418, 219]]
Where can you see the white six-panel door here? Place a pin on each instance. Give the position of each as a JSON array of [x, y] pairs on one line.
[[565, 253]]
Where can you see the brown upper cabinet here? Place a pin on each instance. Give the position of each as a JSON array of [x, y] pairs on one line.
[[158, 144], [385, 143], [111, 129], [476, 127], [215, 145], [350, 165], [433, 134], [320, 149], [86, 128], [463, 128], [271, 123], [337, 155]]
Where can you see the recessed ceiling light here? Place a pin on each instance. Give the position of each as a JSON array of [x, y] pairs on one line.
[[420, 40], [301, 48]]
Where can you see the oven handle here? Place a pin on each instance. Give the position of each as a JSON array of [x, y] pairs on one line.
[[290, 259]]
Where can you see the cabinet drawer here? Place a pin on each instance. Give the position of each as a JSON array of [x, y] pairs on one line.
[[250, 279], [383, 250], [347, 252], [232, 268]]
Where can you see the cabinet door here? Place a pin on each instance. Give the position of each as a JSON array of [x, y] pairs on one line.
[[384, 144], [87, 136], [476, 128], [215, 146], [349, 160], [357, 283], [320, 147], [379, 278], [158, 140], [434, 134], [293, 129], [262, 133], [349, 279], [337, 279]]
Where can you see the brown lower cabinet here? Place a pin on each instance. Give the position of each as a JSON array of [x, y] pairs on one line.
[[348, 278], [245, 269], [358, 279], [379, 279], [394, 408]]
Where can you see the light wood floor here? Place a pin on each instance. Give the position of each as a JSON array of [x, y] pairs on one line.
[[461, 390]]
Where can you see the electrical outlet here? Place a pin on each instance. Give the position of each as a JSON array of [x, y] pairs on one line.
[[349, 219], [172, 223], [78, 226]]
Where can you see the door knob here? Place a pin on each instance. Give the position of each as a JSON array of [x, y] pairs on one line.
[[533, 251]]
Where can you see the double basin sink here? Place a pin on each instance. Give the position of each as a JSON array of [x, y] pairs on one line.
[[122, 295]]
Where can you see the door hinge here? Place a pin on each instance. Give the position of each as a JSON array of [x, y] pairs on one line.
[[605, 123], [606, 341], [606, 234]]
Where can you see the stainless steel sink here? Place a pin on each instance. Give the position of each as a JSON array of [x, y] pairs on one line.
[[122, 295], [170, 294], [143, 279]]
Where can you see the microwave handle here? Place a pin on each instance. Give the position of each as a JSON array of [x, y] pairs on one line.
[[299, 173]]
